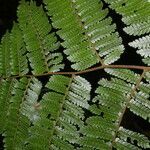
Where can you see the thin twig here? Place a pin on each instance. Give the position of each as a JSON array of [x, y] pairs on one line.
[[146, 68]]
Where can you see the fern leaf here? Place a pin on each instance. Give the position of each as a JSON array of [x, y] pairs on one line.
[[5, 56], [29, 107], [135, 15], [123, 74], [141, 140], [40, 44], [122, 145], [36, 114], [138, 29], [18, 58], [89, 37], [140, 105], [16, 127], [61, 114], [146, 61], [6, 87], [13, 59], [147, 77], [113, 98], [143, 45]]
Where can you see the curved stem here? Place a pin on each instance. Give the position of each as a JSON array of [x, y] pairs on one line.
[[144, 68]]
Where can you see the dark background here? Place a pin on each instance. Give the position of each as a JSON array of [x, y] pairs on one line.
[[8, 10]]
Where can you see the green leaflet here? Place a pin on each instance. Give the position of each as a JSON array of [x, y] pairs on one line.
[[18, 110], [13, 60], [113, 97], [18, 52], [29, 107], [139, 101], [40, 44], [61, 114], [85, 31], [142, 141], [57, 120], [123, 74], [64, 111], [143, 45], [16, 124], [135, 15], [5, 56], [6, 87]]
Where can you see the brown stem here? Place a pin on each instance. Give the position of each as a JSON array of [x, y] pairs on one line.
[[145, 68]]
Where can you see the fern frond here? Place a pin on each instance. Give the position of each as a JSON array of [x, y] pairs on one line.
[[139, 103], [40, 44], [89, 36], [5, 56], [134, 137], [29, 107], [123, 74], [18, 58], [135, 15], [6, 87], [143, 45], [57, 114], [13, 60], [147, 77], [61, 114], [16, 125], [114, 97]]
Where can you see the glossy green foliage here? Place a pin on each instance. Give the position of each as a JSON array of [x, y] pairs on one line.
[[65, 111], [13, 60], [85, 31], [40, 44], [16, 125], [6, 86], [143, 46], [114, 97], [135, 14], [60, 114], [58, 121]]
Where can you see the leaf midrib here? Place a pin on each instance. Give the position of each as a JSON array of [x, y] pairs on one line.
[[132, 94], [61, 108]]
